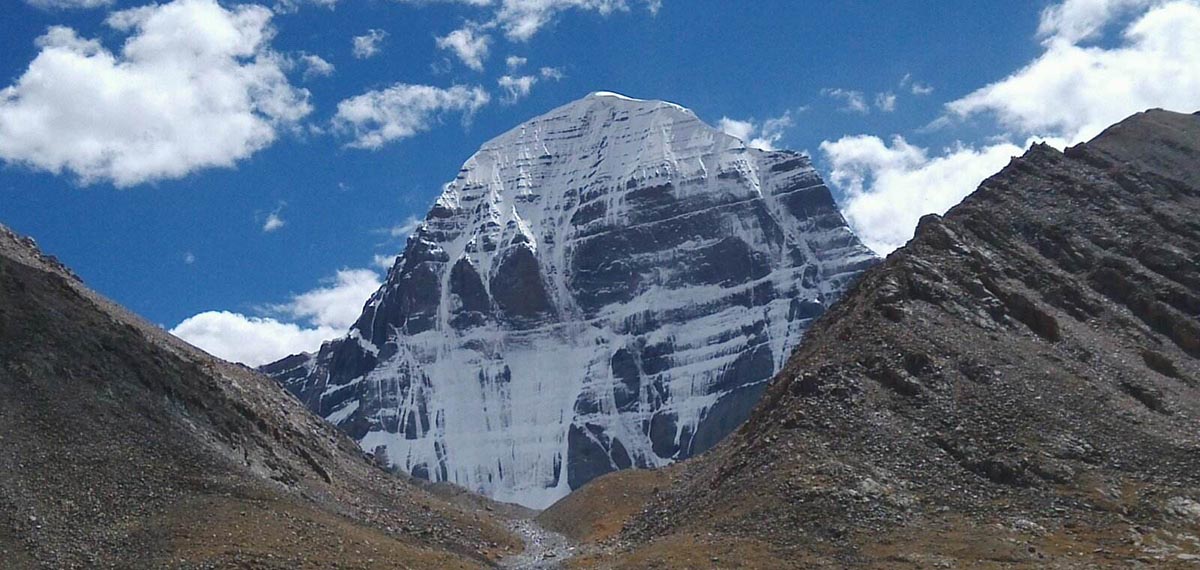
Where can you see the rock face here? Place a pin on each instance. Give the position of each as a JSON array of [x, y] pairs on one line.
[[609, 285], [1019, 386]]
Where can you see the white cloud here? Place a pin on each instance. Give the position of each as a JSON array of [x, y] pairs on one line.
[[888, 188], [915, 87], [852, 101], [252, 341], [1075, 91], [368, 44], [764, 136], [189, 258], [399, 232], [68, 4], [321, 314], [743, 130], [514, 62], [385, 262], [468, 45], [467, 2], [337, 305], [885, 102], [194, 86], [274, 222], [315, 66], [1078, 20], [289, 6], [515, 88], [376, 118], [405, 228], [522, 19]]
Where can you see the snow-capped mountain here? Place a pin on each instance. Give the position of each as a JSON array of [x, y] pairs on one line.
[[608, 285]]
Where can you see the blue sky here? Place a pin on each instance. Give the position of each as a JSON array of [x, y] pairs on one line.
[[162, 199]]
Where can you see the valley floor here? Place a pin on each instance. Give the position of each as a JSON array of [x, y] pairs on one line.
[[544, 549]]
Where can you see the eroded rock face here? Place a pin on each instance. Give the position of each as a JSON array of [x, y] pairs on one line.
[[609, 285]]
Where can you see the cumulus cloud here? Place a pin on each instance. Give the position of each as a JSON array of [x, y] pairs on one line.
[[762, 136], [376, 118], [252, 341], [1074, 91], [368, 44], [468, 45], [888, 188], [852, 101], [300, 325], [68, 4], [336, 305], [315, 66], [194, 86]]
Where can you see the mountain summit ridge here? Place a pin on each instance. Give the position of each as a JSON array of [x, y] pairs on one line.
[[607, 285]]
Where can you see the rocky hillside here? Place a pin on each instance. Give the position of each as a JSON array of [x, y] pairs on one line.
[[122, 447], [1018, 387], [608, 285]]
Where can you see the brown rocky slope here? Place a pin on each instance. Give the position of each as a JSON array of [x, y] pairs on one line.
[[123, 447], [1018, 387]]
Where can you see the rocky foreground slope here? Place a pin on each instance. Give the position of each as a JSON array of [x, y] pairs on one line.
[[608, 285], [123, 447], [1018, 387]]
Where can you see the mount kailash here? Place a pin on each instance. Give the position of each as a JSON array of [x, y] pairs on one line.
[[608, 285]]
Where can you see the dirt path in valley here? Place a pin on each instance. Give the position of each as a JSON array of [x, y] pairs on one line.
[[544, 549]]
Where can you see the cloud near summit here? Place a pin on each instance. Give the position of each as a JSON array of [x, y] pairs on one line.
[[299, 325]]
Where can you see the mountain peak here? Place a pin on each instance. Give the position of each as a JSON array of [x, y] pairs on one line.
[[602, 110], [614, 98], [608, 285]]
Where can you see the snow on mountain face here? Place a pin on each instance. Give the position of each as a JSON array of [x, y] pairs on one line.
[[609, 285]]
